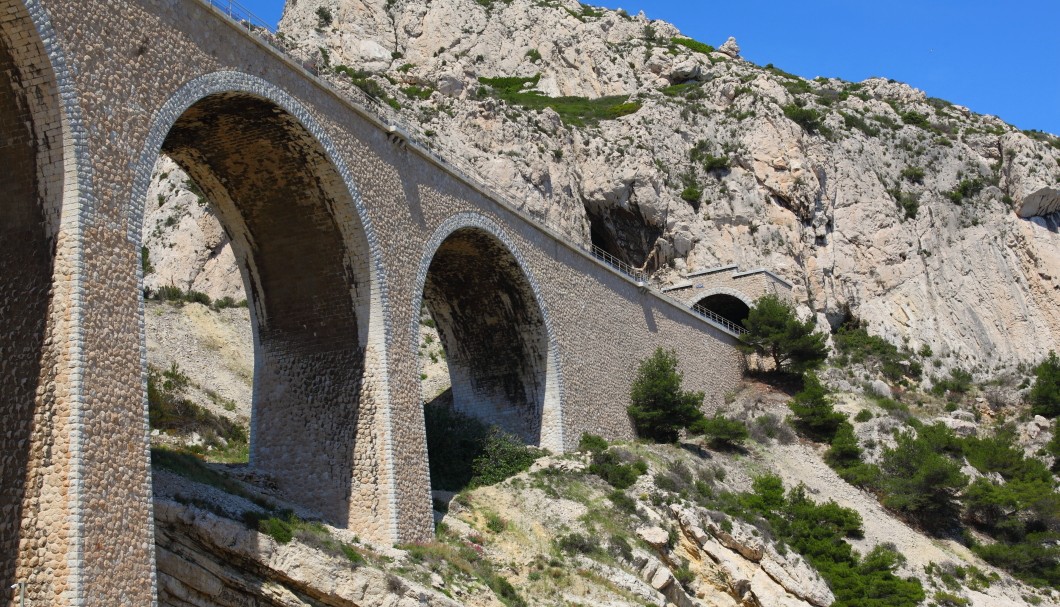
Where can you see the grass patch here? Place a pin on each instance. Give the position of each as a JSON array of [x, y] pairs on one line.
[[576, 111], [169, 411], [693, 45]]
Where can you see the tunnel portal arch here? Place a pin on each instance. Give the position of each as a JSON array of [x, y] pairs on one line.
[[726, 303]]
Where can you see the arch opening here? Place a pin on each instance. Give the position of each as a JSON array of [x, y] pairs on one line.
[[727, 306], [493, 334], [303, 258]]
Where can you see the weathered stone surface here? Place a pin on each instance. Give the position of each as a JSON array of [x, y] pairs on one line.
[[210, 561], [730, 47], [819, 210]]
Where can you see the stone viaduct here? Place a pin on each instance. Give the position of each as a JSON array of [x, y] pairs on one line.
[[342, 234]]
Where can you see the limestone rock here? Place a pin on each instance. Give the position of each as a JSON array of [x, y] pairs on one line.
[[880, 388], [730, 47], [976, 281], [656, 537]]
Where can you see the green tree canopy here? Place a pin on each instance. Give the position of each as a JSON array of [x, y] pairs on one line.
[[814, 415], [773, 330], [920, 482], [659, 408], [1045, 395], [722, 432]]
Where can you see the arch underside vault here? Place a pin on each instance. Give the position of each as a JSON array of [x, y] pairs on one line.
[[493, 331], [31, 174]]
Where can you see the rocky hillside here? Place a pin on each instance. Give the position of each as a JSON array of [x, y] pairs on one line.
[[681, 526], [919, 218]]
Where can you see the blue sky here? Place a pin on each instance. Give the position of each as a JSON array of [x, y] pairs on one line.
[[996, 58]]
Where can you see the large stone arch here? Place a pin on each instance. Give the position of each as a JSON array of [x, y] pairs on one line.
[[511, 303], [730, 304], [315, 282]]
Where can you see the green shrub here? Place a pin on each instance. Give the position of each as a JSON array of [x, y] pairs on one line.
[[495, 523], [324, 17], [577, 543], [659, 408], [844, 451], [809, 119], [503, 456], [577, 111], [693, 45], [592, 443], [278, 529], [170, 411], [464, 452], [818, 532], [915, 119], [192, 466], [533, 55], [907, 202], [913, 174], [856, 345], [620, 474], [773, 330], [920, 482], [1053, 448], [721, 432], [715, 163], [967, 188], [622, 501], [814, 415], [363, 80], [1045, 393], [145, 260], [416, 92], [958, 383], [854, 121], [692, 194], [863, 416]]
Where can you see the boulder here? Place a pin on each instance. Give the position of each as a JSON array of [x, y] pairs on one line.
[[730, 48]]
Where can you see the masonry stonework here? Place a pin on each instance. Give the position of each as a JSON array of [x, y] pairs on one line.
[[342, 236]]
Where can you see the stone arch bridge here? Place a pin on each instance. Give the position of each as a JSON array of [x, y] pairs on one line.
[[342, 230]]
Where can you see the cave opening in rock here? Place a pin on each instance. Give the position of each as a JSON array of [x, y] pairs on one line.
[[623, 234], [727, 306], [304, 272], [484, 329]]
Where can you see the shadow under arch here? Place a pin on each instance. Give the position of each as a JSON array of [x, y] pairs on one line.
[[500, 345], [727, 303], [314, 282], [37, 193]]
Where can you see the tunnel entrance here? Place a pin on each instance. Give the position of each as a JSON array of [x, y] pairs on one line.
[[727, 306], [306, 276]]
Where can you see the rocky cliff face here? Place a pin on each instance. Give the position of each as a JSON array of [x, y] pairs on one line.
[[927, 222]]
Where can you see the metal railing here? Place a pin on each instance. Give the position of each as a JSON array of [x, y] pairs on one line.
[[616, 263], [242, 15], [426, 142], [715, 318]]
